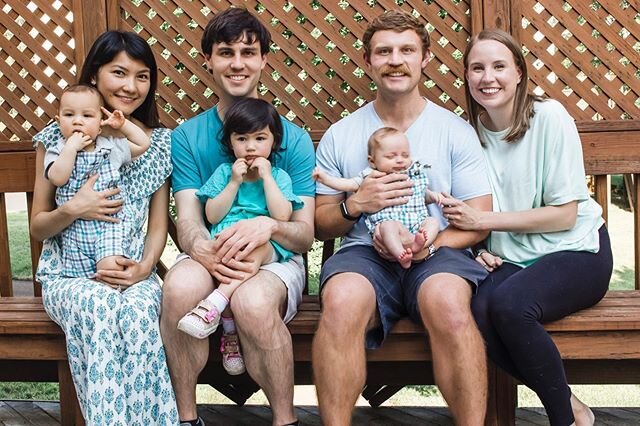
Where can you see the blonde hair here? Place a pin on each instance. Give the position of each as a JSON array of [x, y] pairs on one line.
[[398, 21], [523, 102], [377, 136]]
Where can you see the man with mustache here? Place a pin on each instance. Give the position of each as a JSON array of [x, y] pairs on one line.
[[364, 290]]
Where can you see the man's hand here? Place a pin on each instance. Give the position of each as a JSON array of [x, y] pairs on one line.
[[241, 238], [380, 190], [207, 254]]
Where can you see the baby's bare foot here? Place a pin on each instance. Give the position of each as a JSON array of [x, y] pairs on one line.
[[418, 241], [405, 258]]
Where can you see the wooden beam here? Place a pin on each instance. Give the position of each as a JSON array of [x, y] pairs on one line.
[[89, 21]]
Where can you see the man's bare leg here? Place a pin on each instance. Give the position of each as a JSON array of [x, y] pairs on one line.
[[459, 360], [258, 307], [185, 284], [338, 358]]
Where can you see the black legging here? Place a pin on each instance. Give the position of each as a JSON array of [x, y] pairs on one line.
[[513, 303]]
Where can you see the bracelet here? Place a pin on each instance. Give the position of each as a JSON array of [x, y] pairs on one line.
[[345, 212]]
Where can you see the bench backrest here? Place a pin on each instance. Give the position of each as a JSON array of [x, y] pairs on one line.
[[609, 147]]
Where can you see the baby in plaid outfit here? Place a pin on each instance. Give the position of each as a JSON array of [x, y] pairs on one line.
[[88, 245], [407, 228]]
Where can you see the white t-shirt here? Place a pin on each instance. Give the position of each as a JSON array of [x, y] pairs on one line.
[[543, 168], [438, 138]]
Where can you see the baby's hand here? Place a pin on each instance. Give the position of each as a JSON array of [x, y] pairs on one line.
[[78, 141], [434, 197], [238, 170], [115, 119], [318, 174], [262, 165]]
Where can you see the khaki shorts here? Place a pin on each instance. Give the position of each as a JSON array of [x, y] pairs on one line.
[[291, 273]]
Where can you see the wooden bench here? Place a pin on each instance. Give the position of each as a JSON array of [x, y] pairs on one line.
[[599, 345]]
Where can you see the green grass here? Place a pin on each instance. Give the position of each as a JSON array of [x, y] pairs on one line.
[[30, 391], [19, 247]]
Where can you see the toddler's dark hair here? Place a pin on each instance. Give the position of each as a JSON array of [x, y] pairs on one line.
[[249, 115]]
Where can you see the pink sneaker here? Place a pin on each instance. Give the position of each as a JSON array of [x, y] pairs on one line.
[[231, 357], [201, 321]]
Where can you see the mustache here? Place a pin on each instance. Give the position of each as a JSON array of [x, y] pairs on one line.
[[403, 69]]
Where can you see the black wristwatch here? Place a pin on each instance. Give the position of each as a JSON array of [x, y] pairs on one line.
[[345, 212]]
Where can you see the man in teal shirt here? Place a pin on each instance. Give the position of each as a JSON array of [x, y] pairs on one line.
[[235, 45]]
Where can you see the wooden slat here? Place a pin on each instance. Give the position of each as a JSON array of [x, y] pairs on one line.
[[6, 283]]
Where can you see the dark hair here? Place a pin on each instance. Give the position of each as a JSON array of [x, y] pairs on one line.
[[83, 88], [398, 21], [523, 103], [249, 115], [233, 25], [106, 47]]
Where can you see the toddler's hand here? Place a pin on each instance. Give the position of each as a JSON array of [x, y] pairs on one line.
[[238, 170], [78, 141], [262, 165], [115, 119]]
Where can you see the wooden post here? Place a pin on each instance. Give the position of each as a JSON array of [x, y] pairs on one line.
[[497, 14], [6, 282], [113, 14], [636, 226], [70, 413], [502, 397], [89, 21]]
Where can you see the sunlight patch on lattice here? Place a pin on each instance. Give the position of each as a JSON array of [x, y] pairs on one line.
[[36, 62], [315, 70], [598, 45]]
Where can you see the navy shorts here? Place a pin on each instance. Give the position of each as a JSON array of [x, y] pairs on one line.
[[397, 288]]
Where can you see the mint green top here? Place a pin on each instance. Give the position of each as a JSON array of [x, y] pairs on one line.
[[543, 168]]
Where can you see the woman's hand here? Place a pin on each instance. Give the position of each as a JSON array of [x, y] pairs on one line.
[[129, 272], [93, 205], [489, 261], [461, 215]]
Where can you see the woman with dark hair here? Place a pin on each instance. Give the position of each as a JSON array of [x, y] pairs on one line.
[[548, 253], [111, 322]]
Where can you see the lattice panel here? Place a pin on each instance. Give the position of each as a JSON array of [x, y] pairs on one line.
[[586, 54], [315, 73], [36, 63]]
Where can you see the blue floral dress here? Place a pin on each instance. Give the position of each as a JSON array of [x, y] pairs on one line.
[[115, 351]]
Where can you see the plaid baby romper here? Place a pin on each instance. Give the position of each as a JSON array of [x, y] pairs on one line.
[[414, 212], [85, 242]]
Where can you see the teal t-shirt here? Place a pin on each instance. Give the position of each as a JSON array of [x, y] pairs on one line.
[[250, 200], [543, 168], [197, 153]]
